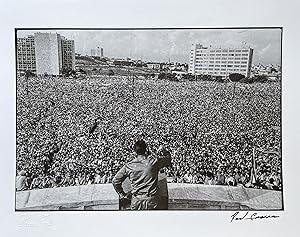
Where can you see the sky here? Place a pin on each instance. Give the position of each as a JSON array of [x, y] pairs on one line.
[[173, 45]]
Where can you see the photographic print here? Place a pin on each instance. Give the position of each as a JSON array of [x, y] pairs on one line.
[[149, 119]]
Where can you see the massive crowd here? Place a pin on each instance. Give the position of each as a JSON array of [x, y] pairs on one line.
[[81, 131]]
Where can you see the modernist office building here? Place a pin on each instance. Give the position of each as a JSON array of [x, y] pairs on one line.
[[220, 61], [45, 53]]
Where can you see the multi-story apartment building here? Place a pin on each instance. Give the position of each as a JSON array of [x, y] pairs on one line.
[[45, 53], [68, 53], [26, 54], [220, 61]]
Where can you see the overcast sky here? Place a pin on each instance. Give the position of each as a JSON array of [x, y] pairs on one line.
[[162, 45]]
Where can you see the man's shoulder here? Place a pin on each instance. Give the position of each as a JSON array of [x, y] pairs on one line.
[[131, 159]]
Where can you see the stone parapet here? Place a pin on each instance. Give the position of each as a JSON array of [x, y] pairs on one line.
[[180, 196]]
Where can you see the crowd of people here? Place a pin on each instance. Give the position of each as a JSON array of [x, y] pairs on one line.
[[81, 131]]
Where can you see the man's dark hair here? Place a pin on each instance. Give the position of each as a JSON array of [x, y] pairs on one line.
[[140, 147]]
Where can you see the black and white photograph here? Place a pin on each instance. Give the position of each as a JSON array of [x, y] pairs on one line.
[[149, 119]]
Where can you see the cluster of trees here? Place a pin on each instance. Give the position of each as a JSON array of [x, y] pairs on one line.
[[236, 77], [129, 63], [202, 77], [123, 63], [259, 78], [167, 76]]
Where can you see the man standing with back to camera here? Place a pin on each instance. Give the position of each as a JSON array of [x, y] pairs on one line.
[[142, 172]]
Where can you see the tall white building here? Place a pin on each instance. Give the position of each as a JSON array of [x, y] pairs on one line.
[[220, 61], [48, 53]]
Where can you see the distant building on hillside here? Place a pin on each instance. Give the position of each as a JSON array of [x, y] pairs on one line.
[[97, 52], [220, 61], [270, 69], [45, 53], [155, 66], [93, 52]]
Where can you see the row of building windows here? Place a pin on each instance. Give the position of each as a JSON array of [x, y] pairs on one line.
[[22, 47], [26, 68], [26, 65], [28, 44], [25, 51], [214, 66], [221, 62], [218, 57], [222, 50], [219, 71], [26, 62], [206, 59], [231, 55], [222, 67], [27, 54]]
